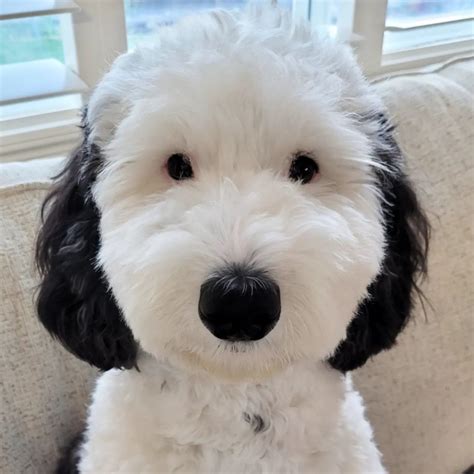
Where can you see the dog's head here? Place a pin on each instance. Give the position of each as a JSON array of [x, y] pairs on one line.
[[238, 203]]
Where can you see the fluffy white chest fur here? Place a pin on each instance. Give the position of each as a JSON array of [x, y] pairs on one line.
[[306, 419]]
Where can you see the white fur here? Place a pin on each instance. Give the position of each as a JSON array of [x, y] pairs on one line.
[[163, 420], [240, 94]]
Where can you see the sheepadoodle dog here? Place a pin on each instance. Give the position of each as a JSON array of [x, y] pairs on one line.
[[235, 234]]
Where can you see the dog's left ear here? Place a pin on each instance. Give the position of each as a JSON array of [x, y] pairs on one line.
[[74, 302], [386, 310]]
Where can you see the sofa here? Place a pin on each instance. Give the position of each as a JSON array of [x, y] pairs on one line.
[[419, 395]]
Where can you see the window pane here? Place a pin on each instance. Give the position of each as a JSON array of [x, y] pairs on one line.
[[417, 23], [145, 17], [412, 10], [28, 39], [37, 59], [323, 15]]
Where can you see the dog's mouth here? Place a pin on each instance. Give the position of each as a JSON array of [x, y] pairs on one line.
[[231, 361], [237, 347]]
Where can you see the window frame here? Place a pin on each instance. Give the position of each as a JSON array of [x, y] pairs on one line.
[[98, 35], [364, 21], [91, 46]]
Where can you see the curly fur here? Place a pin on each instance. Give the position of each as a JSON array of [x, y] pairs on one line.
[[385, 312], [74, 302], [123, 250]]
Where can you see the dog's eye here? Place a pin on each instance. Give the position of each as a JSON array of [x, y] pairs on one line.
[[303, 168], [179, 167]]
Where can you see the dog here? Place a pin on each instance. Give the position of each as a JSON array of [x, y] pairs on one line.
[[234, 235]]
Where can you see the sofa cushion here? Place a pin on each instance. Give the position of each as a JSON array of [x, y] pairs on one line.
[[420, 393], [34, 171], [44, 389]]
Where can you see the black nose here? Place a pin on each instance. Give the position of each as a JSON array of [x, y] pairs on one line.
[[239, 305]]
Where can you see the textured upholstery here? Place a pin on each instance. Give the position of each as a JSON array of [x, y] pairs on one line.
[[419, 394], [44, 390]]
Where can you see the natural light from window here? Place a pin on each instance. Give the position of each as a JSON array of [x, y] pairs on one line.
[[415, 23], [40, 65], [145, 17], [37, 54]]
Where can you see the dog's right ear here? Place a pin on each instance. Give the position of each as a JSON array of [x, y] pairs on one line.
[[74, 302]]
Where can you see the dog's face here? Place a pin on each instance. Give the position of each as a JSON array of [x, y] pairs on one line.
[[224, 174], [233, 203]]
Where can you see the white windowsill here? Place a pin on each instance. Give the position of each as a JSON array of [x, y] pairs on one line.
[[41, 135], [430, 36], [393, 63], [398, 24]]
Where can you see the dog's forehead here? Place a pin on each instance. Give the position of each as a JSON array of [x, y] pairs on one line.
[[236, 109], [227, 65], [233, 104]]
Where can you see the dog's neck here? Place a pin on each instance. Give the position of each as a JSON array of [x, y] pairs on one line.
[[301, 405], [298, 375]]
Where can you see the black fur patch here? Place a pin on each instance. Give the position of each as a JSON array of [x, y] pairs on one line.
[[70, 457], [74, 302], [381, 316], [256, 422]]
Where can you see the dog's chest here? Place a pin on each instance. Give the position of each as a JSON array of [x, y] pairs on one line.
[[282, 426]]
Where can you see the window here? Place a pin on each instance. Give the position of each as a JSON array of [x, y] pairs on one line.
[[390, 35], [54, 51], [39, 85], [418, 23], [145, 17], [323, 15], [36, 43]]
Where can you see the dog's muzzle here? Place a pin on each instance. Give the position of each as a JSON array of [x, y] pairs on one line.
[[239, 305]]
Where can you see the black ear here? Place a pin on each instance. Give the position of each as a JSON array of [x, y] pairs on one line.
[[385, 312], [74, 302]]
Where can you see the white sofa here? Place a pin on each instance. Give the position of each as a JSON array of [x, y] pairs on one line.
[[419, 395]]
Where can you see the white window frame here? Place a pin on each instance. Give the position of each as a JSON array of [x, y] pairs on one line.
[[362, 22], [96, 43], [91, 46]]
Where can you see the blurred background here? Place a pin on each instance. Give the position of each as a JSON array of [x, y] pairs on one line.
[[52, 52], [33, 38]]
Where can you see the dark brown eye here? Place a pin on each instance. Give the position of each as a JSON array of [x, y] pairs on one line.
[[303, 168], [179, 167]]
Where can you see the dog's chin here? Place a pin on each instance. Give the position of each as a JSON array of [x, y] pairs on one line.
[[235, 362]]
